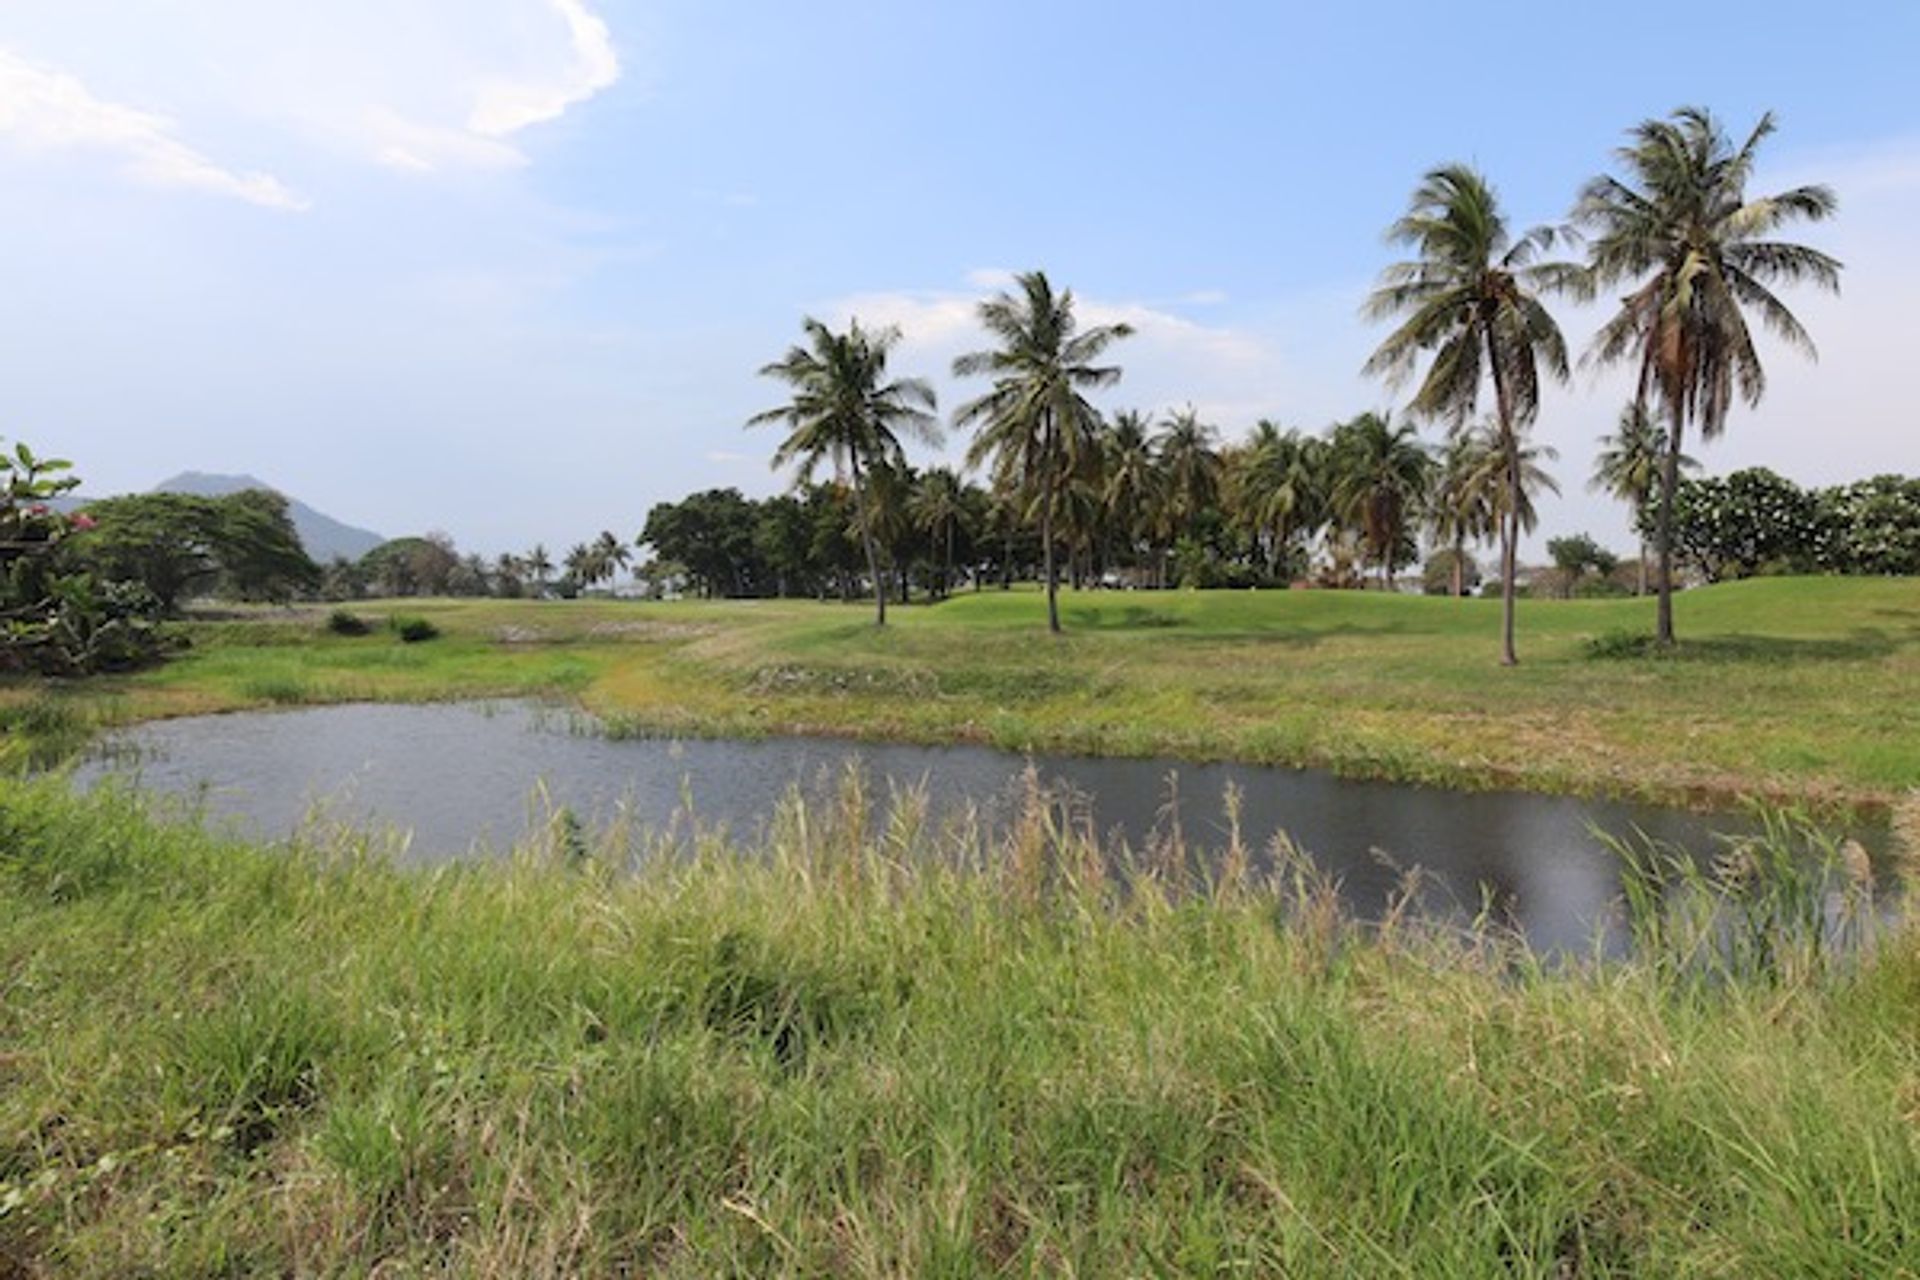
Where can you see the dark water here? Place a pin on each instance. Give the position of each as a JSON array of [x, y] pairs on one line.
[[463, 780]]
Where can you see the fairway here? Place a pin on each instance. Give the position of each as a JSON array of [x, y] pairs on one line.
[[1787, 688]]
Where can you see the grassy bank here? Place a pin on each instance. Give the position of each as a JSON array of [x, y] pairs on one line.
[[828, 1056], [1799, 688]]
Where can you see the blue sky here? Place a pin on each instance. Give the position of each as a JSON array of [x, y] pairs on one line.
[[506, 267]]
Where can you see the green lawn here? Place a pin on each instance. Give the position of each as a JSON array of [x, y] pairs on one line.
[[1802, 688]]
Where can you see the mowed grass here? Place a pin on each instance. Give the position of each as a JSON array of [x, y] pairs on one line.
[[1790, 688], [831, 1056]]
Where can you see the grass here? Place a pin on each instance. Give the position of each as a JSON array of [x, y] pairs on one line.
[[870, 1048], [1796, 689]]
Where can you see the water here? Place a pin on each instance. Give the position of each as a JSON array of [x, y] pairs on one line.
[[461, 779]]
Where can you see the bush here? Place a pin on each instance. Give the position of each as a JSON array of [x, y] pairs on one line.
[[344, 622], [1621, 644], [412, 630]]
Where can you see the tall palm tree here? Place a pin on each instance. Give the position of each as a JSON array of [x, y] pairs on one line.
[[940, 509], [1035, 423], [1628, 467], [844, 410], [1680, 226], [1471, 297], [1380, 478]]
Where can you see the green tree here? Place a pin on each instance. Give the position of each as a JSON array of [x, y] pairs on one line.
[[845, 410], [1380, 477], [1277, 489], [1698, 252], [1471, 298], [1132, 494], [940, 509], [1629, 466], [1465, 504], [1035, 423]]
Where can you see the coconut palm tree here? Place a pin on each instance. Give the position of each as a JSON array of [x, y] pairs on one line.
[[1463, 508], [1380, 478], [844, 410], [1278, 491], [540, 567], [1190, 463], [610, 556], [1035, 423], [1681, 229], [1628, 467], [940, 509], [1471, 298], [1132, 493]]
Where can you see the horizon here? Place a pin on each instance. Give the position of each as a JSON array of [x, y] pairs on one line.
[[526, 255]]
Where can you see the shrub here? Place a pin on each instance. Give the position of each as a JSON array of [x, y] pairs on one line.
[[344, 622], [1621, 644], [413, 630]]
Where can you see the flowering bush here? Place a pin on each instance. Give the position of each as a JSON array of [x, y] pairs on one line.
[[52, 621], [1754, 521]]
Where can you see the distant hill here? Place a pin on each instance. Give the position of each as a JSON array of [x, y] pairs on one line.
[[322, 535]]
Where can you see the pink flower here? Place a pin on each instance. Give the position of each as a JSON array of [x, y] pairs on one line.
[[37, 509], [84, 521]]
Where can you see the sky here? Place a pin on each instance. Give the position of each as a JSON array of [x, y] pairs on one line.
[[507, 268]]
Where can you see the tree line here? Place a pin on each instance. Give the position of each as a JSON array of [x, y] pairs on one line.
[[1674, 227]]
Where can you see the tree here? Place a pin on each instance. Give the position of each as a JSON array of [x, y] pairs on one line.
[[1575, 555], [1472, 299], [1035, 423], [1133, 489], [844, 410], [1278, 489], [1680, 227], [539, 567], [1628, 467], [939, 508], [1380, 478], [258, 549], [1190, 464], [1730, 527], [1464, 506]]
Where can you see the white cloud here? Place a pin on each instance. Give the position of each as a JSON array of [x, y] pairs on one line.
[[44, 109], [423, 87], [508, 106]]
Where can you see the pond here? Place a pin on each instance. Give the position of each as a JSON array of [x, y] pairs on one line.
[[462, 780]]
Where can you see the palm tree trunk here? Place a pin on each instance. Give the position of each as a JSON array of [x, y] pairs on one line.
[[1669, 480], [873, 553], [1046, 557], [1509, 527], [1459, 567]]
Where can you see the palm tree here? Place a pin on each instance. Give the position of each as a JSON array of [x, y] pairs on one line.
[[1463, 509], [1380, 477], [540, 567], [1680, 227], [1035, 423], [610, 556], [1190, 464], [940, 509], [578, 564], [1278, 490], [1471, 298], [1132, 493], [1628, 467], [845, 410]]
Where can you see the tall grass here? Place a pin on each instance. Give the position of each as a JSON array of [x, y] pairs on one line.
[[873, 1045]]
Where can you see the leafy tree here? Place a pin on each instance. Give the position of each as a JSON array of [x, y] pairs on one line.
[[1697, 251], [1278, 490], [1869, 527], [1471, 298], [1450, 571], [1629, 466], [1465, 503], [844, 410], [258, 550], [411, 566], [1133, 485], [1732, 527], [1035, 424], [166, 542], [1577, 554]]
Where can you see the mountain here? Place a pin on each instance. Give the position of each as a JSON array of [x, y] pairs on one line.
[[322, 535]]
